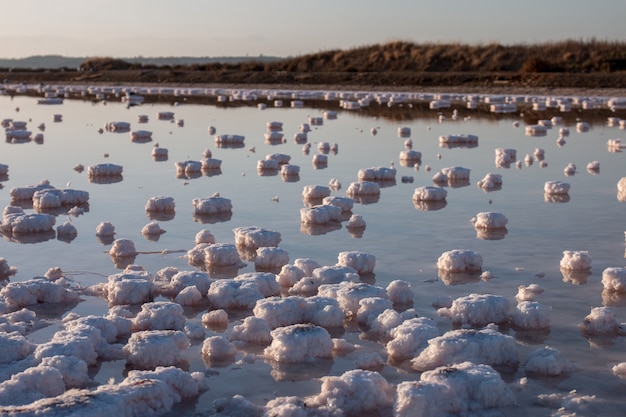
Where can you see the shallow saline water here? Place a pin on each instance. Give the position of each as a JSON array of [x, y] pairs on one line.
[[406, 240]]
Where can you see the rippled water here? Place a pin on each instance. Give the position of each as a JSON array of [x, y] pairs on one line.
[[406, 239]]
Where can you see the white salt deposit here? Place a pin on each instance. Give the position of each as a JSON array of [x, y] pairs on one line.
[[323, 214], [152, 229], [576, 260], [619, 370], [104, 170], [362, 262], [549, 362], [105, 229], [614, 279], [400, 292], [221, 254], [461, 139], [16, 221], [159, 315], [122, 248], [365, 188], [299, 343], [410, 337], [600, 321], [270, 258], [490, 181], [377, 174], [461, 389], [252, 330], [204, 236], [5, 270], [129, 288], [229, 139], [310, 192], [456, 173], [460, 260], [349, 293], [528, 293], [477, 310], [67, 229], [284, 311], [489, 220], [429, 193], [188, 167], [487, 346], [345, 203], [556, 187], [410, 156], [531, 315], [151, 348], [355, 221], [36, 291], [212, 205], [256, 237], [218, 348], [215, 317]]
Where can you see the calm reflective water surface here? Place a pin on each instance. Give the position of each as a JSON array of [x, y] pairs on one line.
[[407, 239]]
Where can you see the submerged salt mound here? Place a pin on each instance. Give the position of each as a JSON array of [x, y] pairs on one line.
[[377, 174], [613, 279], [353, 393], [600, 321], [531, 315], [489, 220], [36, 291], [460, 389], [410, 337], [212, 205], [477, 310], [160, 204], [429, 193], [151, 348], [487, 346], [140, 393], [362, 262], [104, 170], [256, 237], [285, 311], [576, 260], [556, 188], [160, 315], [460, 260], [548, 361], [15, 220], [26, 193], [299, 343]]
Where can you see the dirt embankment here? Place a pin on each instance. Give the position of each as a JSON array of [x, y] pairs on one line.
[[598, 84]]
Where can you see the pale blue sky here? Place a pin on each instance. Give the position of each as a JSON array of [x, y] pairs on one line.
[[130, 28]]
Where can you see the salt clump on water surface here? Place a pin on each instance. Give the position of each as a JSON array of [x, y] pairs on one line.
[[159, 315], [322, 214], [218, 348], [152, 229], [243, 291], [105, 229], [614, 279], [256, 237], [460, 389], [460, 260], [270, 258], [461, 139], [299, 343], [429, 193], [324, 275], [410, 337], [151, 348], [477, 310], [600, 321], [363, 188], [285, 311], [310, 192], [361, 262], [188, 167], [212, 205], [54, 198], [576, 260], [252, 330], [229, 139], [345, 203], [349, 294], [528, 293], [292, 273], [556, 187], [549, 362], [489, 220], [128, 287], [104, 170], [487, 346], [14, 220], [5, 270], [531, 315], [621, 190], [490, 182], [377, 174], [35, 291]]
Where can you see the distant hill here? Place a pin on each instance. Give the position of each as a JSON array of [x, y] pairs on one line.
[[58, 61]]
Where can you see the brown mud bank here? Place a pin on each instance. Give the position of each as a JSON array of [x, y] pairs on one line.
[[596, 84]]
